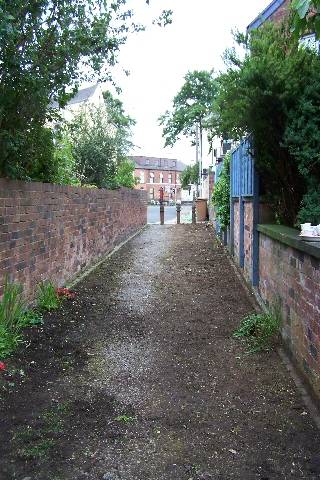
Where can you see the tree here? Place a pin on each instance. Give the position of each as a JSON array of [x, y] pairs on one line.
[[94, 148], [63, 166], [306, 16], [101, 138], [303, 141], [125, 174], [121, 123], [47, 47], [259, 95], [190, 176], [191, 106]]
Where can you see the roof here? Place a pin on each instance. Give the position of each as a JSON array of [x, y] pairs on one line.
[[265, 14], [81, 96], [156, 163]]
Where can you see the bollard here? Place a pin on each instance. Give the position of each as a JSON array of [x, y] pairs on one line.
[[161, 214], [178, 207], [194, 220], [161, 206], [194, 213]]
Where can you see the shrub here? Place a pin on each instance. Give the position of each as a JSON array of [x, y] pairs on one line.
[[221, 194], [310, 207]]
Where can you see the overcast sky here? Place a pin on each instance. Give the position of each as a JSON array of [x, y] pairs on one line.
[[159, 58]]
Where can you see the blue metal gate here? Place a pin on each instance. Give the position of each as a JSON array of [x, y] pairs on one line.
[[245, 185]]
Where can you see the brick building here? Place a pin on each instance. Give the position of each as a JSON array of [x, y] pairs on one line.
[[276, 11], [155, 173]]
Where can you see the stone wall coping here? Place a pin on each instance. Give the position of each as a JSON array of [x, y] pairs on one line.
[[290, 236]]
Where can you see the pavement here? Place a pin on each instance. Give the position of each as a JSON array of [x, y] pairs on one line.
[[140, 378]]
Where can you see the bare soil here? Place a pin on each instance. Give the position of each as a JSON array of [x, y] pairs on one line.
[[139, 378]]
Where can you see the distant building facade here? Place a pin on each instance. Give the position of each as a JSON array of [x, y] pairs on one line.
[[155, 173], [85, 98]]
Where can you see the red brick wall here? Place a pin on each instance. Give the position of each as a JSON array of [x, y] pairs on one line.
[[266, 216], [236, 231], [53, 232], [281, 13], [248, 222], [291, 279]]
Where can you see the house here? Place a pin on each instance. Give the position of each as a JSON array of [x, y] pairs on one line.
[[155, 173], [85, 98], [275, 12]]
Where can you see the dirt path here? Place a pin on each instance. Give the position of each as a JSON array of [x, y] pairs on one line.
[[139, 378]]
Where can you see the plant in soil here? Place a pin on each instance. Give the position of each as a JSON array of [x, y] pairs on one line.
[[31, 318], [12, 309], [14, 316], [125, 419], [35, 442], [260, 330], [47, 297]]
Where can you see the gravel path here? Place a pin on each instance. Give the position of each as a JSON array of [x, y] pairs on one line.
[[139, 378]]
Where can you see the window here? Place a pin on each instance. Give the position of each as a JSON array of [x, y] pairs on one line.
[[174, 163], [141, 177], [310, 41], [151, 194], [170, 178], [178, 178], [147, 161], [161, 177], [151, 177]]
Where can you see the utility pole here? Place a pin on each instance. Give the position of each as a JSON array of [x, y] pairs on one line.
[[199, 160], [199, 156]]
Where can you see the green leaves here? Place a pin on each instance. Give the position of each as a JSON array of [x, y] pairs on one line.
[[191, 105], [125, 174], [190, 176], [301, 7], [221, 194], [101, 138], [47, 49], [261, 94], [306, 17]]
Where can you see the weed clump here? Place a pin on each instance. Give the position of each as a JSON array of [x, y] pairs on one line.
[[260, 330], [47, 297], [15, 315], [12, 309]]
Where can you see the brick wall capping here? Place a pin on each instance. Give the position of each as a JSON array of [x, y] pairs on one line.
[[290, 236]]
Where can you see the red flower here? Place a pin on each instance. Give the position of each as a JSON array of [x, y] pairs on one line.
[[2, 366], [65, 292]]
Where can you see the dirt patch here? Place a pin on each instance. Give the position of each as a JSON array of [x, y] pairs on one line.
[[140, 378]]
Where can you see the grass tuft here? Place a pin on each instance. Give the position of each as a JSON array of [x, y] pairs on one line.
[[47, 297]]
